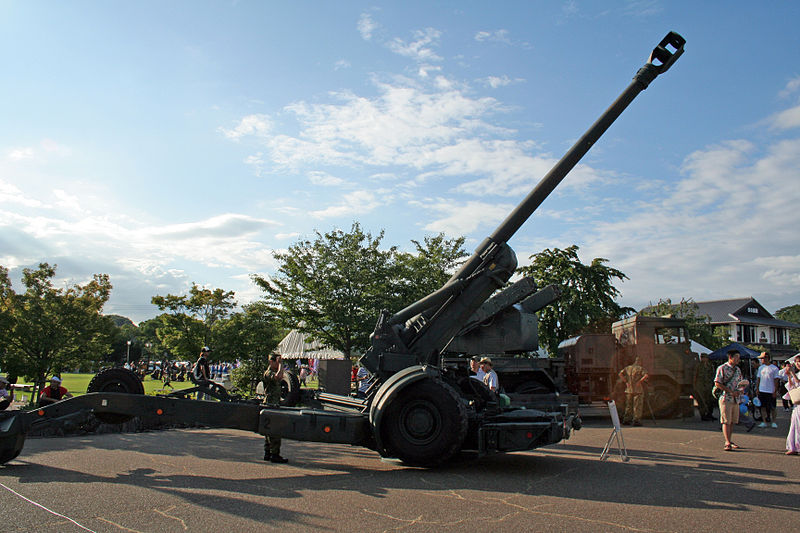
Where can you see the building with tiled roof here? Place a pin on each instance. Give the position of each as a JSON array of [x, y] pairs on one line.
[[748, 322]]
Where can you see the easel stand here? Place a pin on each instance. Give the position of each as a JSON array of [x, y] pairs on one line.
[[615, 434]]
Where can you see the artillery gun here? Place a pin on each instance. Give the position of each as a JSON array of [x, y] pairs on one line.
[[418, 409]]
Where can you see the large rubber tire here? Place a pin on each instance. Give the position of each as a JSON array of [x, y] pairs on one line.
[[115, 380], [664, 398], [425, 424], [290, 389], [11, 444]]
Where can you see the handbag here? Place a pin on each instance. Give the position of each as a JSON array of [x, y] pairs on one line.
[[794, 395], [717, 392]]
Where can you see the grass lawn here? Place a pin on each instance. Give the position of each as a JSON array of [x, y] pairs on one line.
[[77, 384]]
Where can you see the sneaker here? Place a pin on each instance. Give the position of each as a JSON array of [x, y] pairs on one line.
[[762, 425], [278, 459], [774, 425]]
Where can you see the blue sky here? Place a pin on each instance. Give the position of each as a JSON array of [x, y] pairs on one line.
[[166, 143]]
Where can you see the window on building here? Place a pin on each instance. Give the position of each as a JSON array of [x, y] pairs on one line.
[[745, 333], [779, 335], [671, 336]]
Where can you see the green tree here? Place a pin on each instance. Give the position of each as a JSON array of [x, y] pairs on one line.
[[249, 336], [698, 327], [791, 314], [187, 325], [46, 329], [333, 287], [425, 270], [587, 302]]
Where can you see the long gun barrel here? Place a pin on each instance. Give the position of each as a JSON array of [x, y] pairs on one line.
[[661, 59], [416, 334]]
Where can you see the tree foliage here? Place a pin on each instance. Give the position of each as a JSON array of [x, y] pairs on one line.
[[334, 287], [791, 314], [46, 329], [427, 268], [698, 327], [187, 324], [587, 302], [249, 336]]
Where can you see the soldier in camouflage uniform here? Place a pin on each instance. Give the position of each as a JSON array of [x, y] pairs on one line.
[[634, 376], [272, 396], [704, 387]]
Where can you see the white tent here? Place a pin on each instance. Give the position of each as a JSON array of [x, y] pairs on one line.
[[294, 346], [699, 348]]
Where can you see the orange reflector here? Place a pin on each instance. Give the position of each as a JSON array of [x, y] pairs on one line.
[[159, 412], [529, 435], [326, 429], [40, 412]]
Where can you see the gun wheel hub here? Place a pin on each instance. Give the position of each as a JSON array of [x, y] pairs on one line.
[[420, 422]]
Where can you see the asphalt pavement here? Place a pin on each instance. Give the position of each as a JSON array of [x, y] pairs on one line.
[[678, 479]]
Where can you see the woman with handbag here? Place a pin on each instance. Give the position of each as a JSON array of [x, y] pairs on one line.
[[793, 386]]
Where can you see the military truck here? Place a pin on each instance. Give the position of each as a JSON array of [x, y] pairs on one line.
[[418, 409], [593, 362], [586, 368]]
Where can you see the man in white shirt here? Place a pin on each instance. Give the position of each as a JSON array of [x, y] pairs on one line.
[[475, 366], [767, 382], [490, 377]]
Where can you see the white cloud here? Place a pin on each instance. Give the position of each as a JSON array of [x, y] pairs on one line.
[[403, 125], [67, 201], [20, 154], [425, 71], [367, 26], [257, 125], [317, 177], [420, 49], [341, 64], [729, 223], [45, 147], [256, 161], [497, 36], [499, 81], [11, 194], [463, 218], [792, 86], [354, 203], [438, 132], [224, 226], [790, 118], [52, 147]]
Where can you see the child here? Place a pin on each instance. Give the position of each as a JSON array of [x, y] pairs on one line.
[[744, 418]]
